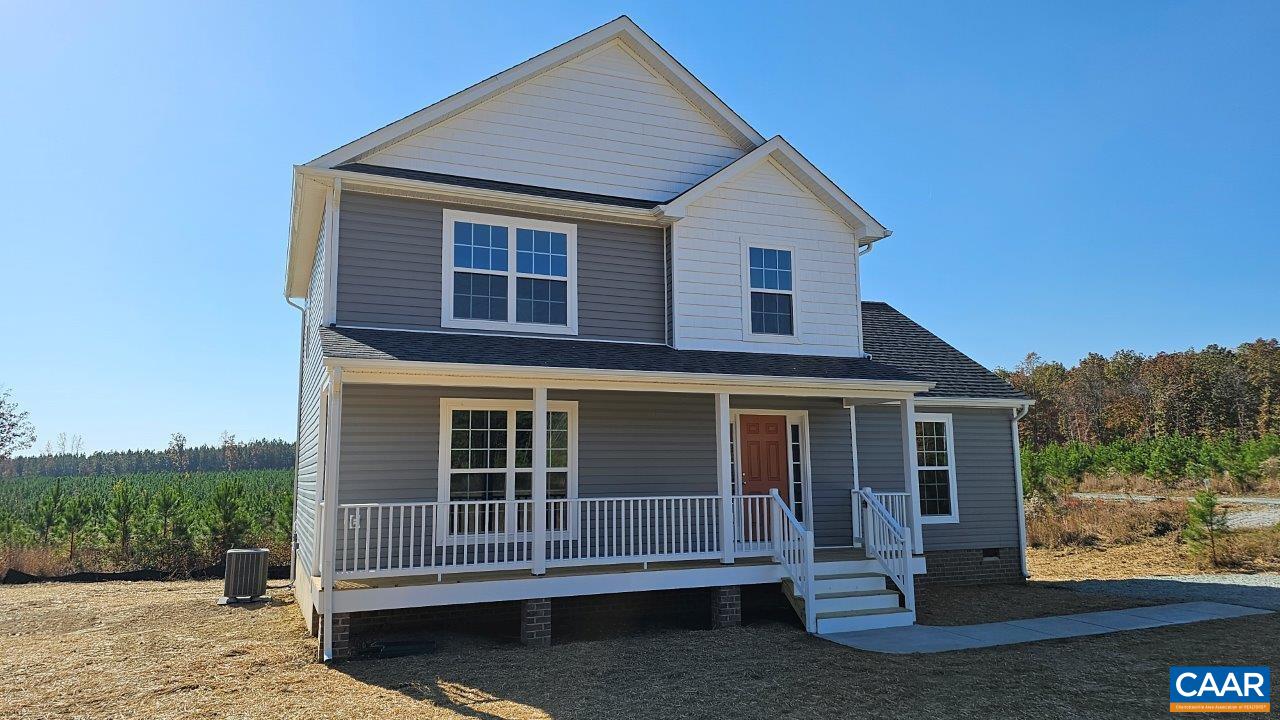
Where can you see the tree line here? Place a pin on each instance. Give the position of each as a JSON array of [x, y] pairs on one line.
[[66, 460], [1205, 393], [1170, 417]]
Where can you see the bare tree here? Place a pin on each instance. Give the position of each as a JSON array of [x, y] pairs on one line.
[[230, 451], [177, 452], [16, 431]]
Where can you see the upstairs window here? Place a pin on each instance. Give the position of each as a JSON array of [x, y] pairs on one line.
[[505, 273], [772, 296]]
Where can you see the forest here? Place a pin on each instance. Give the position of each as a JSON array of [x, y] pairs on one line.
[[1173, 418]]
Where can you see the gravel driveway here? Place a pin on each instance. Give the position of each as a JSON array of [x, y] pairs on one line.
[[1261, 590]]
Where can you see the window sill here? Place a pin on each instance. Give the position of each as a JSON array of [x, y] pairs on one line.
[[510, 327], [766, 338], [939, 519]]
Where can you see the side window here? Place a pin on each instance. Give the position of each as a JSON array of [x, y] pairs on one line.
[[935, 458]]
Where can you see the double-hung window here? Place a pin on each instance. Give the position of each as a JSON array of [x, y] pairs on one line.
[[936, 468], [488, 460], [507, 273], [772, 291]]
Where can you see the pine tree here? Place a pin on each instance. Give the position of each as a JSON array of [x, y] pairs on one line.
[[1205, 523]]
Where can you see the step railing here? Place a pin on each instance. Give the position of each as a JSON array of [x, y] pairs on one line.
[[897, 503], [888, 541], [793, 549]]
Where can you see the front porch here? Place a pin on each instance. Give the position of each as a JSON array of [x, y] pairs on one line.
[[558, 491]]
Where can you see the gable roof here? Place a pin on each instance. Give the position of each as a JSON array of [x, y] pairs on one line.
[[799, 168], [622, 29], [895, 339]]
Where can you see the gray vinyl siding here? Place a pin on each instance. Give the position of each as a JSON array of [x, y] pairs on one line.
[[986, 498], [308, 464], [389, 270], [628, 443]]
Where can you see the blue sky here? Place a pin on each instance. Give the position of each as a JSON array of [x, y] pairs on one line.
[[1059, 177]]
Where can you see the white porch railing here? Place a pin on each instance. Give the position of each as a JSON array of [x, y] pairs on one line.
[[602, 531], [887, 540], [408, 538], [793, 549], [897, 503]]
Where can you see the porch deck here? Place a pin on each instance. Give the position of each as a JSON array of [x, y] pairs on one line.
[[820, 555]]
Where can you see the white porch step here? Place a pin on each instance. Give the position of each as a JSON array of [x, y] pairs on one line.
[[829, 582], [835, 602], [872, 619], [832, 567]]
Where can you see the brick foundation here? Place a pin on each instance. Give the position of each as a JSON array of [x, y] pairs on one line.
[[341, 636], [535, 622], [530, 621], [726, 606], [971, 567]]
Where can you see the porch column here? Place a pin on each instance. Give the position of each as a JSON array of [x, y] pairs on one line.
[[911, 466], [724, 477], [539, 481]]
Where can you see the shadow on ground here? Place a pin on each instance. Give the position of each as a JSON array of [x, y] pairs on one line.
[[1259, 591]]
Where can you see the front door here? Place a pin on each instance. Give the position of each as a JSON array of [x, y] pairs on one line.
[[764, 454]]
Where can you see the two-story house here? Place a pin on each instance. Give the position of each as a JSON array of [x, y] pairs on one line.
[[580, 330]]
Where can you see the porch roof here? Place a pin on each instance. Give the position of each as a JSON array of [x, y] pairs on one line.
[[371, 344]]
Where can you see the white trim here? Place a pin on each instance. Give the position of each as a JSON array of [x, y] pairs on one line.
[[748, 333], [407, 372], [793, 417], [622, 28], [444, 471], [724, 474], [1018, 490], [333, 209], [498, 334], [950, 467], [973, 402], [513, 225], [867, 229], [853, 440]]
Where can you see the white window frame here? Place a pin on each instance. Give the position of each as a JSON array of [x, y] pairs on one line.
[[950, 467], [794, 417], [444, 478], [747, 333], [512, 224]]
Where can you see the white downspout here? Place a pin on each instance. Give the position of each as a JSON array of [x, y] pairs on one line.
[[1018, 414]]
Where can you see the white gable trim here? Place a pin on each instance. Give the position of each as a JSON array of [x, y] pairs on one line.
[[622, 28], [799, 169]]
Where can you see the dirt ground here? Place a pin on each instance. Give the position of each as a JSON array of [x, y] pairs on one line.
[[165, 650], [1150, 556]]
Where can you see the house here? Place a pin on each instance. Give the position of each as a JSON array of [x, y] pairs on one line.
[[580, 330]]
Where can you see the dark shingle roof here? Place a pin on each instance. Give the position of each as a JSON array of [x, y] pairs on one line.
[[510, 187], [895, 339], [900, 350], [585, 354]]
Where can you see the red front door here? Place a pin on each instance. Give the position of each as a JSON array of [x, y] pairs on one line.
[[764, 454]]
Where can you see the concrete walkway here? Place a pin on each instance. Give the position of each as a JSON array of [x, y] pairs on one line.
[[933, 638]]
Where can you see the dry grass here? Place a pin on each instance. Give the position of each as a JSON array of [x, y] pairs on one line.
[[1247, 551], [164, 650], [1268, 485], [1085, 523]]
